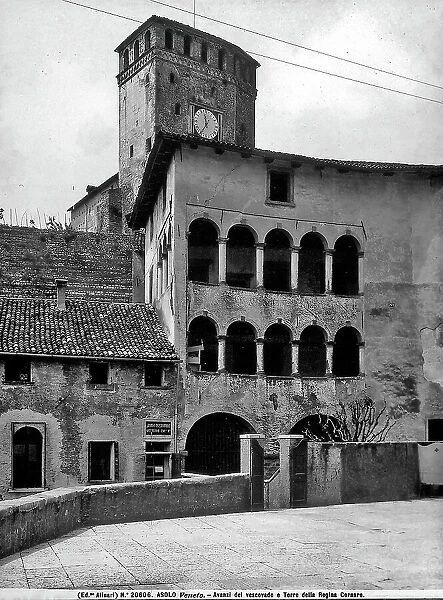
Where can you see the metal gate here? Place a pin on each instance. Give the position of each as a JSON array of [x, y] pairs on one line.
[[298, 466], [213, 444]]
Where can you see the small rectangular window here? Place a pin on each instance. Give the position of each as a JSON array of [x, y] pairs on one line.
[[131, 151], [279, 186], [148, 144], [98, 372], [102, 461], [153, 375], [17, 370], [435, 430]]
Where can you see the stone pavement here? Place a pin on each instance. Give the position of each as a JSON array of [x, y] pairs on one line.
[[389, 545]]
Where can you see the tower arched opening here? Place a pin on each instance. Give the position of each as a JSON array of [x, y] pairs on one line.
[[240, 257], [311, 265], [277, 261], [203, 252], [312, 352]]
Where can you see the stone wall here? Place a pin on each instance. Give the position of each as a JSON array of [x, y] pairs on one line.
[[75, 412], [97, 266], [361, 472], [31, 520]]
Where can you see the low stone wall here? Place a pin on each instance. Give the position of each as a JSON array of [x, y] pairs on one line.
[[361, 472], [34, 519]]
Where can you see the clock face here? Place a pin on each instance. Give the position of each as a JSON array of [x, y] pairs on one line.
[[206, 123]]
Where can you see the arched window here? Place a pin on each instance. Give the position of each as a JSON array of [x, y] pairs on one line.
[[277, 351], [147, 40], [241, 351], [312, 352], [311, 265], [345, 266], [187, 45], [125, 59], [345, 357], [169, 39], [221, 60], [136, 50], [277, 261], [319, 427], [203, 252], [240, 257], [177, 109], [204, 52], [202, 332], [27, 458]]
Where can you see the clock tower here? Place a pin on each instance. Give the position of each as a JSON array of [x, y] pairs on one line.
[[181, 80]]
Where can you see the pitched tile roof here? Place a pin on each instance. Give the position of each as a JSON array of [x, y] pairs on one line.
[[90, 329]]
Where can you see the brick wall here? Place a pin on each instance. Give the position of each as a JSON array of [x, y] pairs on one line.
[[97, 266]]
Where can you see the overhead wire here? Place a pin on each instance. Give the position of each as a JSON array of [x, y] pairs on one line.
[[359, 81]]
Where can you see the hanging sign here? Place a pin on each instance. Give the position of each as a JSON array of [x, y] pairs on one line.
[[158, 429]]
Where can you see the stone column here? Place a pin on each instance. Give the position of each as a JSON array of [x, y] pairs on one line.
[[361, 273], [295, 346], [222, 259], [259, 259], [260, 362], [221, 353], [287, 442], [328, 270], [361, 358], [329, 355], [294, 267], [252, 463]]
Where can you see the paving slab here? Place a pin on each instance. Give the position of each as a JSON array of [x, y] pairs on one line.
[[390, 545]]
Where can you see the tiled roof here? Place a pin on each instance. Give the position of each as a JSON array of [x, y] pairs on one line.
[[91, 329]]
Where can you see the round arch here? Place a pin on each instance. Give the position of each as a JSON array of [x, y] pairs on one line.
[[345, 266], [277, 261], [311, 264], [213, 443], [346, 353], [277, 350], [203, 340], [27, 461], [312, 352], [205, 219], [203, 237], [319, 427], [241, 348]]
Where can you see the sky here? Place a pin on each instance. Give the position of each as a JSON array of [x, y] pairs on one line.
[[59, 95]]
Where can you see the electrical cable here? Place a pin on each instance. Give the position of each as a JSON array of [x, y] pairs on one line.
[[374, 85]]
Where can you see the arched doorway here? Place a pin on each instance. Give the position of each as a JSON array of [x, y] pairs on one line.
[[27, 458], [213, 444]]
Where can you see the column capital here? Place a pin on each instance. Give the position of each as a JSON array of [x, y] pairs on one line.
[[329, 251], [222, 240], [260, 245], [360, 254], [295, 249], [221, 337], [260, 340]]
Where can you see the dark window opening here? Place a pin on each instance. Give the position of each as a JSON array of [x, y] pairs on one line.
[[277, 351], [277, 261], [322, 428], [125, 59], [131, 151], [279, 186], [240, 257], [213, 444], [221, 60], [98, 372], [204, 52], [148, 144], [147, 41], [203, 252], [27, 458], [102, 461], [312, 352], [311, 265], [187, 45], [345, 357], [241, 350], [153, 375], [156, 464], [177, 109], [202, 332], [345, 266], [151, 285], [136, 50], [171, 77], [435, 430], [17, 370], [169, 40]]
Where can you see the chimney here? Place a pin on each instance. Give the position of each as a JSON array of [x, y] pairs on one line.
[[61, 293]]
